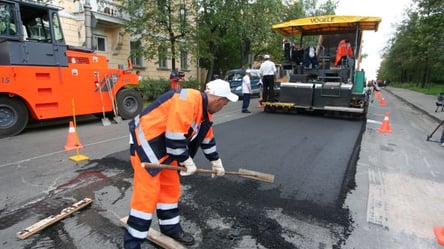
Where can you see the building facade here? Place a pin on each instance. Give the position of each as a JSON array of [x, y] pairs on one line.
[[107, 37]]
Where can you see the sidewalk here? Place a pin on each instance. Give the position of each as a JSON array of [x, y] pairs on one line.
[[399, 176], [424, 103]]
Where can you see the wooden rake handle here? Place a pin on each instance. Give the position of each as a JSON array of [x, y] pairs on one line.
[[244, 173], [181, 168]]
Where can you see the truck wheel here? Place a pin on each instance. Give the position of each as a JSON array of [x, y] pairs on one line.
[[14, 116], [129, 103]]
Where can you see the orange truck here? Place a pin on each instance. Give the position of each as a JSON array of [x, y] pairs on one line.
[[41, 77]]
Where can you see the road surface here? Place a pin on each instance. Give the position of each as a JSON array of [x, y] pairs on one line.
[[315, 202]]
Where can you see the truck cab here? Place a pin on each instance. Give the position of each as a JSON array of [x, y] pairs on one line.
[[31, 35], [41, 77]]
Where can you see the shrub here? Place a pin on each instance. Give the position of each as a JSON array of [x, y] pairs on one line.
[[150, 89]]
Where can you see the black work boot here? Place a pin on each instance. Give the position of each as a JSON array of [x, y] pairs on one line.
[[184, 238]]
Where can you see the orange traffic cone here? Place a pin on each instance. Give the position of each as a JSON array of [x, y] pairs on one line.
[[385, 126], [259, 105], [72, 141], [382, 102], [378, 95], [439, 233]]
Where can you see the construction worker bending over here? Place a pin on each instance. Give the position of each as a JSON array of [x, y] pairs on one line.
[[170, 131]]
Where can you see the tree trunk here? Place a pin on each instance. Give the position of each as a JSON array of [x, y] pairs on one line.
[[246, 50], [173, 55], [425, 73], [210, 71]]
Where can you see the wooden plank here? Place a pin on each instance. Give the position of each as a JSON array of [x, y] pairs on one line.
[[157, 237], [37, 227]]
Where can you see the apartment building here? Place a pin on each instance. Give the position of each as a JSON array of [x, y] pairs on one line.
[[108, 37]]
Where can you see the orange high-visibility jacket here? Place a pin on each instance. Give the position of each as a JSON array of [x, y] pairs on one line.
[[344, 49], [172, 128]]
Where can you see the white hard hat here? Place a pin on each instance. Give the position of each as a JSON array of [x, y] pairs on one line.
[[266, 56], [221, 88]]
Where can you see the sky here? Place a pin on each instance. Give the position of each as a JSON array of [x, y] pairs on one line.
[[391, 12]]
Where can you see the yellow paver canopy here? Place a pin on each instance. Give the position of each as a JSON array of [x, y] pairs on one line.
[[329, 24]]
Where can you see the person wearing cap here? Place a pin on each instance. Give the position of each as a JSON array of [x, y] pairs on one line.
[[170, 131], [175, 79], [246, 91], [268, 74]]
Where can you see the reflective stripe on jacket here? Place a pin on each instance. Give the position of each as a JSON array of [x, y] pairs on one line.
[[162, 132]]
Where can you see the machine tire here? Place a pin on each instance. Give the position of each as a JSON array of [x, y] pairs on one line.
[[129, 103], [14, 116]]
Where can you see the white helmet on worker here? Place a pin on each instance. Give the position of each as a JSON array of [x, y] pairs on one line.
[[221, 88]]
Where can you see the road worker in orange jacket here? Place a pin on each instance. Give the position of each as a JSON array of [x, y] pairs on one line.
[[344, 50], [170, 131], [175, 78]]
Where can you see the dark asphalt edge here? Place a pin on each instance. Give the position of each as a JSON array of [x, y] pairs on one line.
[[349, 180]]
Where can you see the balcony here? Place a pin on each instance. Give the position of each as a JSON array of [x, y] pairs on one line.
[[107, 12]]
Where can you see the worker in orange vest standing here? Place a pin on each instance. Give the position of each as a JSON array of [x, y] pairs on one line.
[[170, 131], [175, 78], [344, 50]]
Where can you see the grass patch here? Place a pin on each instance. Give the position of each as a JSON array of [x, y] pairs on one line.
[[434, 89]]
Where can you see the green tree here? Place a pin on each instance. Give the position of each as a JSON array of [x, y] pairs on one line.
[[233, 32], [415, 54], [161, 26], [223, 34], [314, 8]]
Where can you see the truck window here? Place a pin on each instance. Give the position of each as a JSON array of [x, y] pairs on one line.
[[57, 27], [8, 26], [37, 24], [39, 28]]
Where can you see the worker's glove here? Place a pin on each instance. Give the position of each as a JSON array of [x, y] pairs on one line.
[[218, 167], [189, 165]]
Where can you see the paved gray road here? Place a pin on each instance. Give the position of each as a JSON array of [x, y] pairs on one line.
[[308, 154]]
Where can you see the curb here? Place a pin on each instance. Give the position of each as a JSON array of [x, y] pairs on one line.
[[414, 106]]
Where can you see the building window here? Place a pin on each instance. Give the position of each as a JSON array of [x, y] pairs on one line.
[[136, 53], [163, 58], [184, 60], [183, 18], [100, 43]]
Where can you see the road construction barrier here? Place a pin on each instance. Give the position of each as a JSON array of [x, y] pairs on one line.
[[439, 233], [72, 141], [378, 95], [385, 126], [259, 104], [382, 102]]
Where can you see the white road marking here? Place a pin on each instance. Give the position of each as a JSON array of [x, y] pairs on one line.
[[60, 151]]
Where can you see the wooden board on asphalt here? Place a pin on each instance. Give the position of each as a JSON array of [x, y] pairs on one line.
[[157, 237], [37, 227]]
